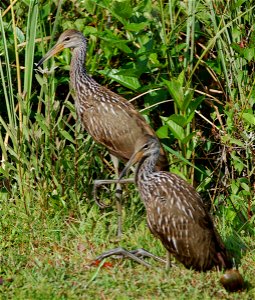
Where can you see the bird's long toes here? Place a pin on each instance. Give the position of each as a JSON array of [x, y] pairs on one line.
[[121, 252]]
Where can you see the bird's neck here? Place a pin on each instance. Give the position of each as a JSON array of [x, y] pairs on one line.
[[146, 168], [78, 62], [78, 73]]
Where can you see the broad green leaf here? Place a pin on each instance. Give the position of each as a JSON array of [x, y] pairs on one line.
[[181, 78], [178, 48], [127, 81], [176, 91], [189, 118], [236, 142], [245, 187], [136, 26], [132, 72], [195, 103], [176, 130], [89, 5], [67, 135], [115, 41], [178, 119], [236, 33], [188, 138], [20, 35], [249, 118], [235, 187], [237, 162], [154, 58], [248, 53], [237, 48], [122, 9], [188, 96], [42, 80], [162, 132], [88, 30]]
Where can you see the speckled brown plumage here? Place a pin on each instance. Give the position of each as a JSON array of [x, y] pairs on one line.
[[177, 216], [109, 118]]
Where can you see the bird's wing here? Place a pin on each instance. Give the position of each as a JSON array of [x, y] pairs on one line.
[[113, 121], [176, 215]]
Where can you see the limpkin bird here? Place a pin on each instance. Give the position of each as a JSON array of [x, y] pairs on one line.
[[109, 118], [177, 216]]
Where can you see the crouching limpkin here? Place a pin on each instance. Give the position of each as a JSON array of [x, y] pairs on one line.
[[177, 216], [109, 118]]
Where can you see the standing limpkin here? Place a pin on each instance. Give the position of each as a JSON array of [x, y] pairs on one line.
[[109, 118], [177, 216]]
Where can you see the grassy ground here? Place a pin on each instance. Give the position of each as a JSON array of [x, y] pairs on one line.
[[47, 256]]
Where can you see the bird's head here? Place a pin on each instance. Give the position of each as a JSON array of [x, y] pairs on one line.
[[150, 148], [70, 38]]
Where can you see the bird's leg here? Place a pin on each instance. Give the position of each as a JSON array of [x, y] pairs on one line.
[[168, 261], [99, 182], [118, 195], [118, 192]]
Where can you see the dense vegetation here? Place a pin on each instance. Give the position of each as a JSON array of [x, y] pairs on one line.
[[188, 66]]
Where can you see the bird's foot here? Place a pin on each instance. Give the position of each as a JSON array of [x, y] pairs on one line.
[[137, 255]]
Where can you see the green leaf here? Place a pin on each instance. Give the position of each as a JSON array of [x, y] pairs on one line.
[[162, 132], [181, 78], [189, 118], [248, 53], [237, 48], [195, 103], [188, 96], [115, 41], [136, 26], [127, 81], [67, 135], [178, 119], [89, 30], [41, 79], [245, 187], [235, 187], [188, 138], [236, 142], [237, 162], [132, 72], [122, 9], [176, 91], [41, 121], [176, 130], [89, 5], [20, 35], [249, 118]]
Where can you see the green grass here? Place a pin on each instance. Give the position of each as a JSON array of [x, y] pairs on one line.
[[50, 256]]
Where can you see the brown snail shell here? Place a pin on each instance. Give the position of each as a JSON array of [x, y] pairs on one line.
[[232, 280]]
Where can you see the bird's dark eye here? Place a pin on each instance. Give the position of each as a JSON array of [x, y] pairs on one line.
[[67, 39]]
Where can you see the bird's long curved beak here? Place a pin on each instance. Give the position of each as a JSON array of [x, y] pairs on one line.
[[132, 161], [53, 51]]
